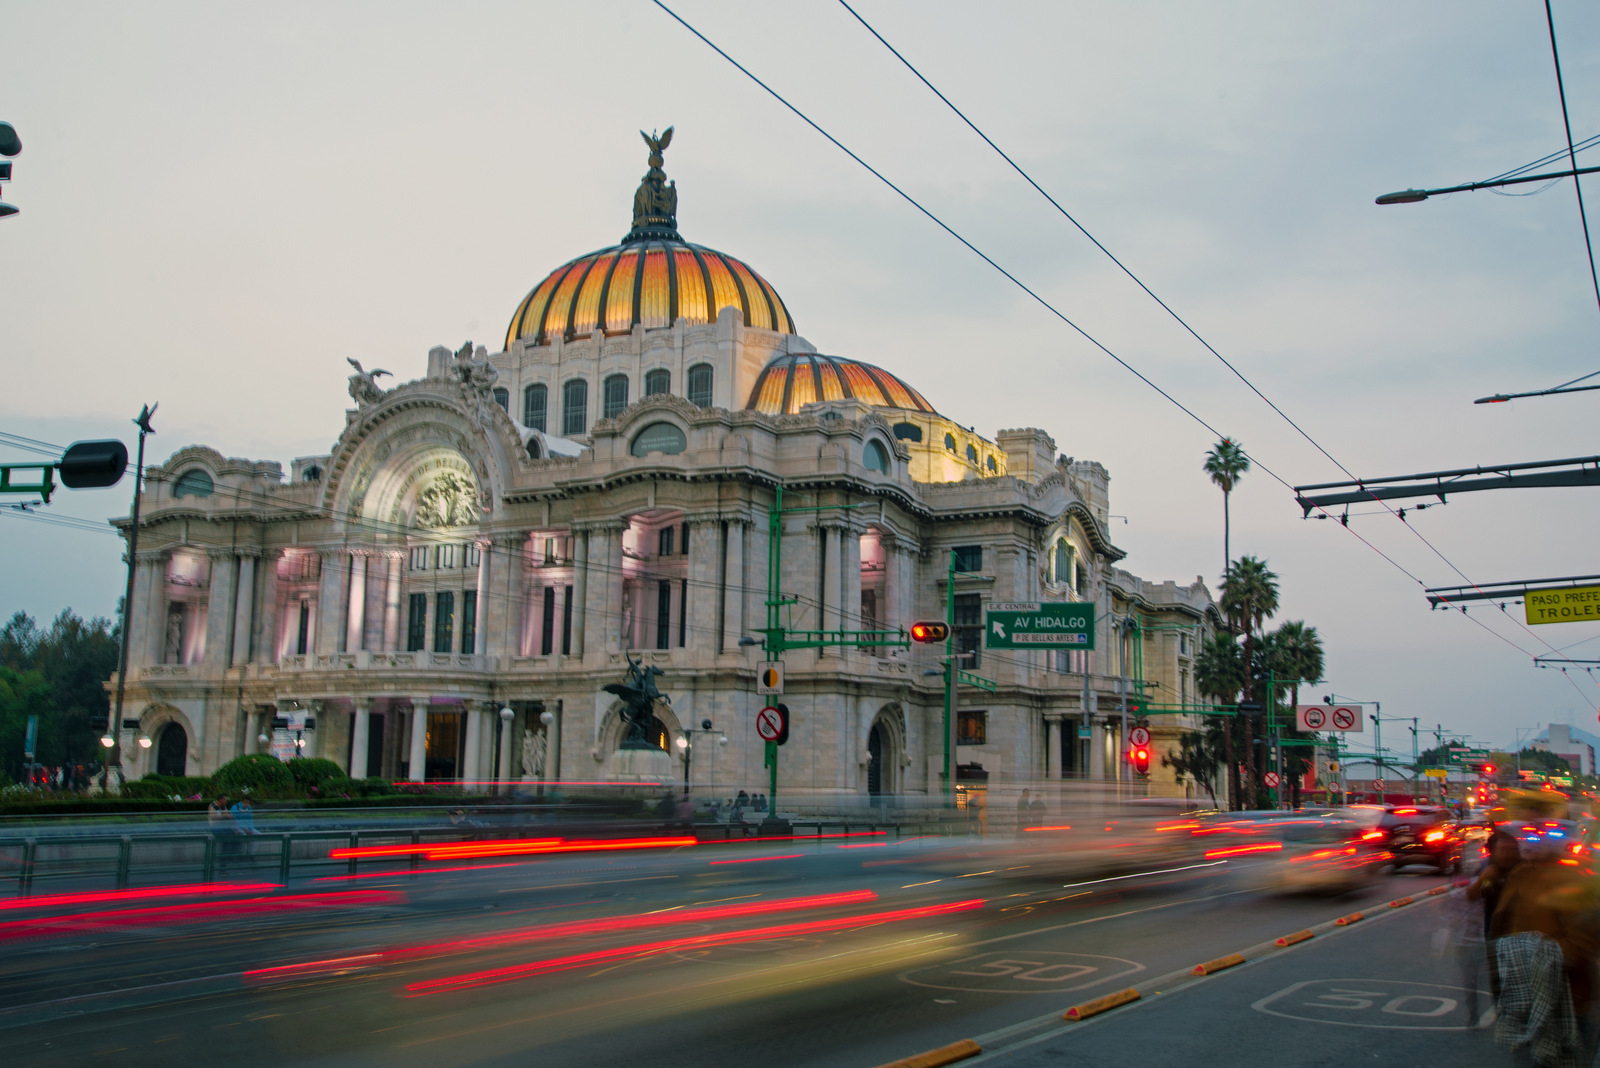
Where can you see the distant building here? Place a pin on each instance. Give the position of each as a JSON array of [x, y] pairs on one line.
[[1576, 747], [503, 530]]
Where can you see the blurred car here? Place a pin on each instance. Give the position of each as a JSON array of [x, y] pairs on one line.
[[1326, 854], [1412, 834], [1573, 840]]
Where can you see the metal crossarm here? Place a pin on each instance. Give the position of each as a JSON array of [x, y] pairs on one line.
[[44, 487]]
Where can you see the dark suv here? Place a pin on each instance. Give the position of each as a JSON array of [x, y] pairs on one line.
[[1413, 834]]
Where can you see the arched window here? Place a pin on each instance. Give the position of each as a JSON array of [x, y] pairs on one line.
[[193, 483], [950, 442], [616, 396], [989, 463], [1063, 562], [658, 437], [312, 474], [575, 407], [875, 457], [908, 432], [502, 397], [534, 452], [657, 381], [700, 385], [972, 455], [533, 406]]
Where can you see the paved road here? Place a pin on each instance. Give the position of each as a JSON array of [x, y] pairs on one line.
[[741, 955], [1372, 994]]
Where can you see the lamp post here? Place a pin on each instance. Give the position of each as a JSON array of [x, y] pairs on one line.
[[686, 743], [145, 429], [1412, 196]]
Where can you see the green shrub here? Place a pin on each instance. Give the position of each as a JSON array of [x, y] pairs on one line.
[[262, 774], [312, 771], [375, 788]]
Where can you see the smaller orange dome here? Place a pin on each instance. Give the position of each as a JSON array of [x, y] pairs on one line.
[[790, 381]]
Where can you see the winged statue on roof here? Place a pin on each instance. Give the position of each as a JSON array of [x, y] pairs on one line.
[[364, 388]]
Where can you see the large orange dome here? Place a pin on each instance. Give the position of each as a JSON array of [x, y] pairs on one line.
[[653, 282]]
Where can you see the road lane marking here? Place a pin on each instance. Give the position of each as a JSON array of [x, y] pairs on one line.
[[1376, 1004]]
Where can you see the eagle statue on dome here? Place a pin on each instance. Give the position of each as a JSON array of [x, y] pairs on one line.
[[655, 204], [364, 388]]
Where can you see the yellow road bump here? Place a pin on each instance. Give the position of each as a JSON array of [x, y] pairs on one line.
[[1346, 921], [1210, 967], [1399, 901], [1099, 1005], [933, 1058], [1438, 890], [1291, 939]]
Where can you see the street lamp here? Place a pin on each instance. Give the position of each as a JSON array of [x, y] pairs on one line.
[[1412, 196]]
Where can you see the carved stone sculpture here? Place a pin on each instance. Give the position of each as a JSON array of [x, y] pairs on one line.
[[533, 749], [364, 388]]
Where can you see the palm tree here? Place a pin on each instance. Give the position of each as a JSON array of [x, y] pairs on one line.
[[1299, 649], [1249, 598], [1225, 463], [1219, 674]]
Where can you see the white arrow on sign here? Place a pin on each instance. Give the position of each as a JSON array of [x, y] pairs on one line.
[[999, 629]]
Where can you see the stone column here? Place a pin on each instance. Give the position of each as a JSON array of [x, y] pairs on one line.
[[480, 618], [244, 608], [360, 737], [419, 737], [356, 613], [890, 610], [831, 538], [700, 607], [330, 613], [733, 621], [1052, 747], [503, 614], [148, 582], [608, 609], [266, 628], [156, 620], [850, 582], [391, 602], [552, 749], [470, 771], [580, 589], [219, 607]]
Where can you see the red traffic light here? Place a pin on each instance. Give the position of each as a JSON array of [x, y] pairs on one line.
[[1139, 757], [1488, 769], [928, 631]]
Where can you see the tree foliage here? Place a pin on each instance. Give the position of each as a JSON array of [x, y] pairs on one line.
[[59, 675]]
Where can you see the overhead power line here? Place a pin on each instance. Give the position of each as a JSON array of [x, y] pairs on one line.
[[913, 202]]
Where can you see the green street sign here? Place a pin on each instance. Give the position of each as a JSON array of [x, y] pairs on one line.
[[1459, 755], [1038, 625]]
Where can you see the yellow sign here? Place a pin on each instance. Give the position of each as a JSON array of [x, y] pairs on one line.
[[1435, 773], [1563, 606]]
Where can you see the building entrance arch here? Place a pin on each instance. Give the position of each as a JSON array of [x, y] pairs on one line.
[[172, 750]]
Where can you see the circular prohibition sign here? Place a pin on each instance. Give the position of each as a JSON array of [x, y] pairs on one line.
[[1315, 718], [1345, 718], [770, 723]]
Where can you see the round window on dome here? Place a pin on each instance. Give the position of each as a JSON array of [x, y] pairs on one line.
[[659, 437], [908, 432], [876, 457], [193, 483]]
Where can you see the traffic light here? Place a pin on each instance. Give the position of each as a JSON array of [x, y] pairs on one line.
[[1139, 756], [93, 464], [929, 631], [783, 735]]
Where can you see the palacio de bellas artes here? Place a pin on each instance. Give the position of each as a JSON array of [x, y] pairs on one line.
[[444, 595]]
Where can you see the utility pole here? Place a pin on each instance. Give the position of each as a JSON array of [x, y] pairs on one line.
[[950, 681]]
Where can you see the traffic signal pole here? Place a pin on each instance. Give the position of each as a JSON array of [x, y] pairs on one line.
[[950, 681], [114, 721]]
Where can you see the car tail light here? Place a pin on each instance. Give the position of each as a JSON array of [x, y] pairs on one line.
[[1372, 836], [1433, 836]]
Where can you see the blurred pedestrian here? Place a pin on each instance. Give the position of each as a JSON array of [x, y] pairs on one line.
[[1024, 812], [219, 821], [244, 817], [1545, 923]]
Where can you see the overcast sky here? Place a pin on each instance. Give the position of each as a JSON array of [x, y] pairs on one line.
[[219, 203]]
